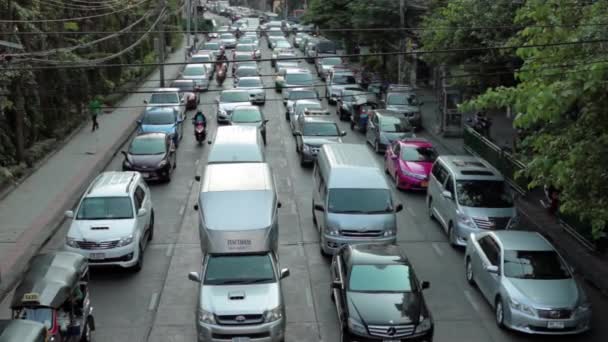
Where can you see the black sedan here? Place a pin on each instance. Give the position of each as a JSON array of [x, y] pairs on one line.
[[377, 295], [153, 155]]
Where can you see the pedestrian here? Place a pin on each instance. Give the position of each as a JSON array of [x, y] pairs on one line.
[[95, 109]]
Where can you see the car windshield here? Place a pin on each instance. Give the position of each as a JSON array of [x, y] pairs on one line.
[[275, 33], [161, 98], [300, 95], [402, 100], [105, 208], [184, 86], [244, 72], [250, 83], [391, 124], [418, 154], [145, 145], [242, 57], [331, 61], [240, 96], [245, 115], [381, 278], [40, 315], [246, 41], [344, 79], [194, 70], [211, 46], [534, 265], [360, 201], [282, 44], [245, 48], [239, 269], [226, 36], [327, 129], [299, 79], [200, 59], [483, 194], [158, 118]]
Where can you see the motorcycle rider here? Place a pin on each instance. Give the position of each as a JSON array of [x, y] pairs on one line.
[[198, 117]]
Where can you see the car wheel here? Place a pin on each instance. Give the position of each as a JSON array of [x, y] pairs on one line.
[[168, 178], [151, 227], [264, 139], [430, 209], [344, 335], [499, 313], [314, 219], [140, 260], [352, 125], [469, 271], [451, 235]]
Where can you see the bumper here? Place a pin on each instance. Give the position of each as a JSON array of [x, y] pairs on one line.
[[330, 243], [151, 174], [411, 183], [463, 232], [423, 337], [268, 332], [534, 325], [125, 256]]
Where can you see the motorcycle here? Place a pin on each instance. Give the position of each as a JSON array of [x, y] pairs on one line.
[[220, 77], [200, 133], [361, 116], [551, 200]]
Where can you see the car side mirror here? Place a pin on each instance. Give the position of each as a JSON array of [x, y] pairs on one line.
[[447, 195], [297, 133], [492, 269], [194, 276], [217, 100], [425, 285], [285, 273], [209, 142], [142, 212], [399, 207], [342, 133], [319, 207], [69, 214], [145, 101], [197, 178], [196, 207], [336, 284]]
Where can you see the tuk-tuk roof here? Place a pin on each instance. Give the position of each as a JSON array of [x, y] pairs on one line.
[[49, 280], [20, 330]]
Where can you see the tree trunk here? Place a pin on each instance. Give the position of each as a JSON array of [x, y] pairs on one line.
[[19, 123]]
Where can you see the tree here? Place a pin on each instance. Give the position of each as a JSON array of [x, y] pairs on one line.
[[561, 102]]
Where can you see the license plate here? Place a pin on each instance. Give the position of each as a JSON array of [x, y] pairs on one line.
[[97, 256], [241, 339], [146, 174], [424, 184], [555, 325]]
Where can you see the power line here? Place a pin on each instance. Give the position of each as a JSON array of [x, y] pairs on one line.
[[76, 6], [141, 2]]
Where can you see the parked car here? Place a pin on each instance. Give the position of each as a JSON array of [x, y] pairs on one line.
[[409, 163], [255, 87], [249, 50], [249, 116], [207, 58], [282, 52], [187, 91], [198, 73], [113, 222], [378, 296], [151, 154], [468, 195], [295, 78], [228, 100], [527, 282], [238, 59], [163, 120], [212, 46], [312, 132], [384, 127]]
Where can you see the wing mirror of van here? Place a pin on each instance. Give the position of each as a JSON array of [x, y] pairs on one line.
[[194, 276], [69, 214], [399, 207], [285, 273], [319, 207], [142, 212], [425, 285], [492, 269], [447, 194]]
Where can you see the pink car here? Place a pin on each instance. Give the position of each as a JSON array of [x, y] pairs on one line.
[[409, 162]]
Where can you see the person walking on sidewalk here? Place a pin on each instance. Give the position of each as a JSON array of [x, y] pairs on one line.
[[94, 110]]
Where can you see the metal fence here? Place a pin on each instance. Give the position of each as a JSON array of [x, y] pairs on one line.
[[502, 160]]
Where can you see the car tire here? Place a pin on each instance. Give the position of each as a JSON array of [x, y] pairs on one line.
[[451, 236], [468, 272], [499, 313], [314, 219], [286, 116], [140, 261], [168, 178], [264, 139], [151, 227], [430, 209]]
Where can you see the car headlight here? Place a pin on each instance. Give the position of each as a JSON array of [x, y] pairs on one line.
[[205, 317], [516, 305], [583, 308], [465, 220], [356, 326], [332, 231], [410, 174], [389, 232], [424, 325], [125, 241], [71, 242], [162, 163], [273, 315]]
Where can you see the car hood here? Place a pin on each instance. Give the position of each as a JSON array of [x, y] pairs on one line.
[[385, 308], [101, 230], [361, 222], [403, 108], [146, 160], [169, 129], [393, 136], [229, 106], [252, 299], [421, 168], [318, 141], [559, 293]]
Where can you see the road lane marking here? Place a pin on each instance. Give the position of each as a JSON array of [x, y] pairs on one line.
[[169, 250], [191, 183], [469, 296], [197, 161], [308, 297], [437, 249], [153, 301], [182, 209]]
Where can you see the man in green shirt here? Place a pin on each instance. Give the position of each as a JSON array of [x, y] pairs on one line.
[[95, 109]]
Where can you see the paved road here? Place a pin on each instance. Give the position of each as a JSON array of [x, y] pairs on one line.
[[158, 303]]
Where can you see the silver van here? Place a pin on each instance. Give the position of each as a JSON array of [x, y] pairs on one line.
[[237, 144], [467, 195], [352, 202], [237, 204]]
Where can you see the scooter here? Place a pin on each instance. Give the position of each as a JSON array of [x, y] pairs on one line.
[[200, 133], [221, 74]]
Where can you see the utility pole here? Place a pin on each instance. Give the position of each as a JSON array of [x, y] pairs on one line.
[[196, 21], [401, 42], [285, 9], [161, 42], [189, 18]]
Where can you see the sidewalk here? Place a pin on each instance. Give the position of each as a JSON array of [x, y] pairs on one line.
[[589, 265], [33, 211]]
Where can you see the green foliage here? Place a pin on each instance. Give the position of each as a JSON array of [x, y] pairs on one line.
[[561, 100], [71, 26]]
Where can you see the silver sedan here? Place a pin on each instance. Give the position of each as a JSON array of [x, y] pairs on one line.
[[529, 285]]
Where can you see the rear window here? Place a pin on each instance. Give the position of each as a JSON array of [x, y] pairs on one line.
[[344, 79], [211, 46], [240, 96], [250, 82], [299, 79], [245, 48], [194, 70], [302, 95], [162, 98], [244, 72], [326, 47]]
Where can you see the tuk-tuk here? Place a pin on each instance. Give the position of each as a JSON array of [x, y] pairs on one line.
[[361, 115], [55, 292], [19, 330]]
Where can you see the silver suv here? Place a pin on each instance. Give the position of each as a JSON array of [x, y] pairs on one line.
[[312, 132], [467, 195]]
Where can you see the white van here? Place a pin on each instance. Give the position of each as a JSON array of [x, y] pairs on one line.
[[352, 201]]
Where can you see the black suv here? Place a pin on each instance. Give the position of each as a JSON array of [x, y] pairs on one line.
[[378, 296]]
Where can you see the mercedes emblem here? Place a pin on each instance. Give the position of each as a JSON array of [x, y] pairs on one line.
[[391, 331]]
